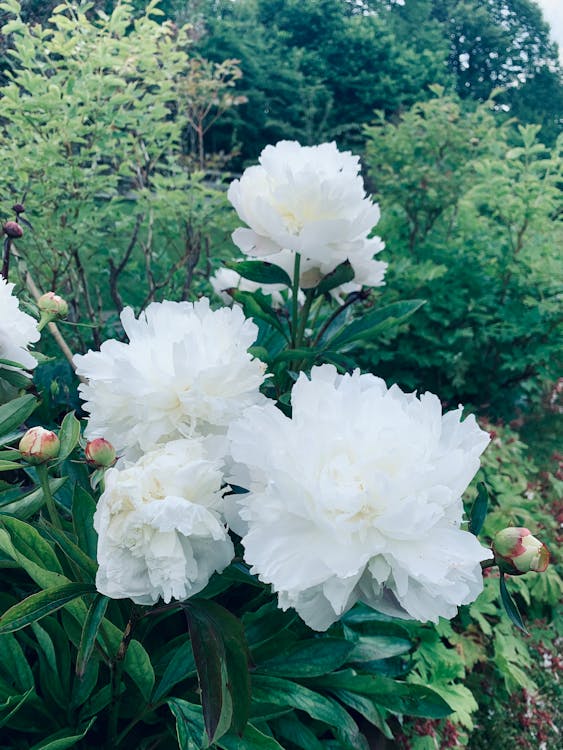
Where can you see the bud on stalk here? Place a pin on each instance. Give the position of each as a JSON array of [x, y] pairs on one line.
[[39, 445], [53, 305], [12, 230], [517, 551], [100, 453]]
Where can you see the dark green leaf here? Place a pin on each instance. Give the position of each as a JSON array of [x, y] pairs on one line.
[[252, 739], [180, 667], [510, 606], [479, 509], [71, 550], [221, 658], [90, 632], [43, 603], [290, 728], [375, 322], [62, 740], [29, 542], [28, 504], [14, 413], [289, 355], [255, 305], [342, 274], [83, 509], [260, 271], [280, 692], [367, 708], [309, 658], [12, 705]]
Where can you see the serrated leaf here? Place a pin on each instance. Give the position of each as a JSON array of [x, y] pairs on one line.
[[260, 271], [510, 606], [39, 605], [479, 509]]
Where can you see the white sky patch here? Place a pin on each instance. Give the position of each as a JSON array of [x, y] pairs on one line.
[[553, 13]]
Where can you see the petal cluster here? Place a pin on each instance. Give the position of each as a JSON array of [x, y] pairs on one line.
[[17, 329], [185, 371], [358, 497], [308, 200], [160, 528]]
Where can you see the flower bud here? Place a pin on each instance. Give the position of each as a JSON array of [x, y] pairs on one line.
[[100, 453], [52, 305], [39, 445], [13, 230], [517, 551], [18, 208]]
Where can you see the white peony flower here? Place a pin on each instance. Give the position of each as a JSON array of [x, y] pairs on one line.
[[185, 371], [17, 329], [358, 497], [308, 200], [161, 533], [227, 278]]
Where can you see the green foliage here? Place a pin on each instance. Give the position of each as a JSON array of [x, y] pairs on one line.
[[95, 115], [471, 225]]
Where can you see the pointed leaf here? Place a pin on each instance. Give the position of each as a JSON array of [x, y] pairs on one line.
[[479, 509], [510, 606], [39, 605], [69, 435], [90, 632], [14, 413], [342, 274], [260, 271], [369, 325]]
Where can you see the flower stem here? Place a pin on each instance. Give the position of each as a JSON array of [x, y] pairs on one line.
[[309, 297], [295, 300], [43, 475], [118, 664]]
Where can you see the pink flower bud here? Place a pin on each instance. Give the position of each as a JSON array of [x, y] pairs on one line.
[[39, 445], [53, 305], [13, 230], [100, 453], [517, 551]]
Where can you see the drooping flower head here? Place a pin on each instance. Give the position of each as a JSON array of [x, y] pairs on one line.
[[308, 200], [17, 329], [159, 523], [185, 371], [358, 497]]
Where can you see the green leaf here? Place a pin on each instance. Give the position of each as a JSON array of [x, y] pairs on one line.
[[252, 739], [280, 692], [9, 465], [14, 413], [479, 509], [83, 509], [14, 664], [180, 667], [399, 697], [43, 603], [289, 355], [12, 705], [366, 327], [341, 275], [71, 550], [255, 305], [69, 434], [260, 271], [29, 542], [90, 632], [290, 728], [309, 658], [189, 724], [28, 504], [137, 662], [510, 606], [62, 740], [367, 708], [221, 658]]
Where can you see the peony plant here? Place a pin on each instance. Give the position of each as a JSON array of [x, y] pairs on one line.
[[241, 529]]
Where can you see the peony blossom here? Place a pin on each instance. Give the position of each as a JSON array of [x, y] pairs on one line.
[[185, 371], [308, 200], [161, 533], [17, 329], [358, 497]]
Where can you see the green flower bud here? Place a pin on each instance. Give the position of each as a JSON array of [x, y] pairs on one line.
[[100, 453], [52, 305], [39, 445], [517, 551]]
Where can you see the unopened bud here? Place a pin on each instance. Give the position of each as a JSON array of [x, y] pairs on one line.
[[100, 453], [517, 551], [18, 208], [53, 305], [39, 445], [13, 230]]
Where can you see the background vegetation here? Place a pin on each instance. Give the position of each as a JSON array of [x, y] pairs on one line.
[[121, 127]]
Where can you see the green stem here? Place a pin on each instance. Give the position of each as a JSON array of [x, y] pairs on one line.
[[43, 475], [309, 297], [117, 673], [295, 299]]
